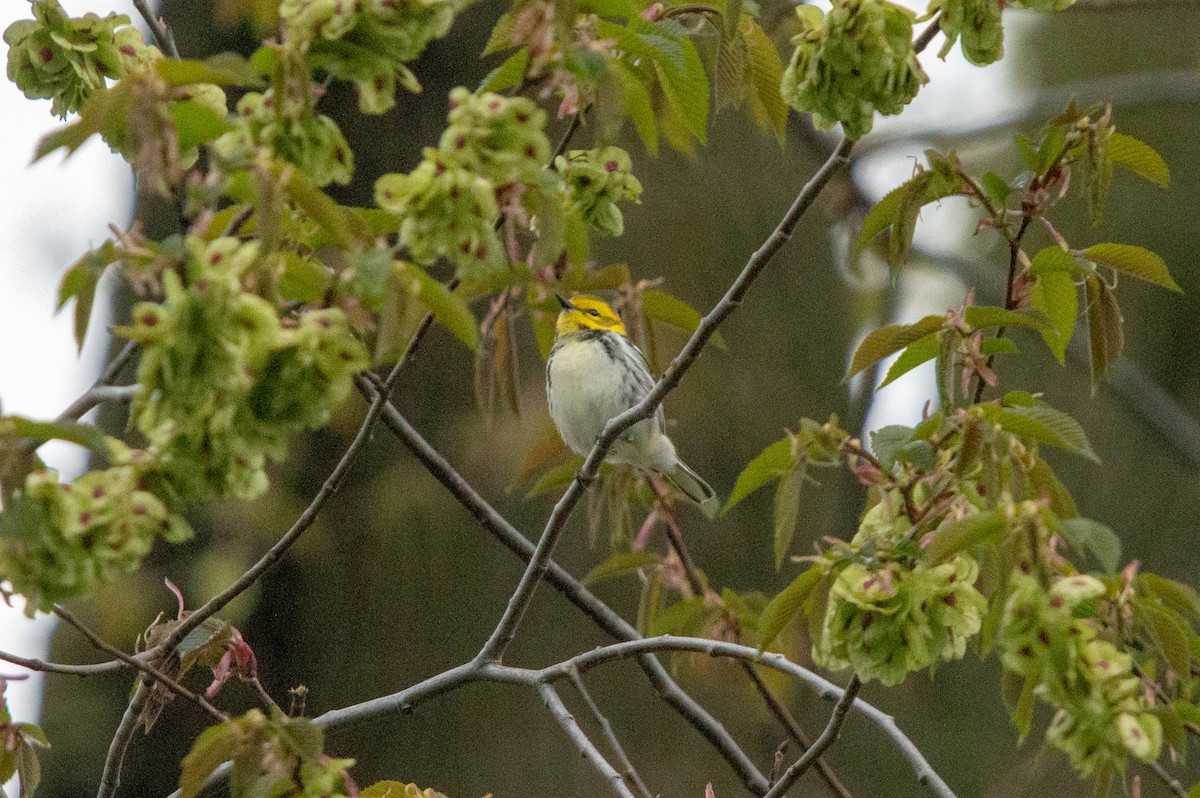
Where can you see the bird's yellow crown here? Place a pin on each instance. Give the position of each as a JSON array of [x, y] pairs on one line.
[[582, 312]]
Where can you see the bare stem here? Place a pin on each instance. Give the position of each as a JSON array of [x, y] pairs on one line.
[[110, 778], [42, 666], [629, 772], [828, 737], [162, 34], [565, 719]]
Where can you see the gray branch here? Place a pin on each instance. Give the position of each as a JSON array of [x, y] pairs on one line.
[[628, 771], [565, 719]]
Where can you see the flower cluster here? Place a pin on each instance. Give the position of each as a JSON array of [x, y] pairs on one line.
[[448, 203], [1102, 712], [65, 59], [366, 41], [594, 182], [62, 540], [852, 62], [977, 23], [312, 142], [226, 382], [886, 616]]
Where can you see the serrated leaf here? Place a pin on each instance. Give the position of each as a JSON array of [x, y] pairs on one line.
[[319, 207], [1169, 632], [920, 351], [880, 217], [886, 443], [731, 71], [996, 188], [959, 535], [683, 618], [1047, 483], [303, 737], [303, 280], [1130, 259], [1138, 157], [783, 607], [637, 105], [1177, 595], [767, 108], [770, 463], [508, 74], [787, 509], [215, 746], [1055, 295], [223, 69], [1106, 339], [501, 36], [1017, 692], [29, 768], [80, 282], [890, 339], [1044, 424], [984, 316], [103, 112], [559, 476], [621, 563], [1090, 537], [658, 305]]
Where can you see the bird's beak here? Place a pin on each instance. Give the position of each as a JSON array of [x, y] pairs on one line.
[[566, 303]]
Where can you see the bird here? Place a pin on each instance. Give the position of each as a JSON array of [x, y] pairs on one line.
[[593, 374]]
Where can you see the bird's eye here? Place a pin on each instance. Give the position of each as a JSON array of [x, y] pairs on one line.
[[593, 312]]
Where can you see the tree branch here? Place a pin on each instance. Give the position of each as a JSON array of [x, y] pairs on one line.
[[42, 666], [162, 34], [629, 772], [110, 777], [828, 737], [565, 719]]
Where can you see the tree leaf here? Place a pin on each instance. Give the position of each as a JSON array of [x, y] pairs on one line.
[[196, 123], [920, 351], [996, 187], [785, 605], [1170, 634], [684, 618], [1090, 537], [767, 108], [80, 282], [448, 307], [215, 746], [77, 432], [223, 69], [770, 463], [984, 316], [1105, 336], [1177, 595], [1055, 295], [892, 338], [787, 508], [29, 768], [508, 74], [103, 112], [319, 207], [637, 105], [661, 306], [622, 562], [1044, 424], [1047, 483], [1138, 261], [1138, 157], [959, 535], [886, 443]]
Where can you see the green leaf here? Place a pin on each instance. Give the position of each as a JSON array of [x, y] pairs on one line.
[[685, 618], [886, 443], [1105, 336], [1138, 157], [787, 508], [959, 535], [501, 37], [1028, 154], [1044, 424], [1055, 295], [303, 280], [660, 306], [303, 737], [215, 746], [1138, 261], [767, 108], [79, 283], [1046, 483], [1017, 692], [196, 123], [890, 339], [1169, 632], [996, 188], [29, 768], [332, 217], [1051, 260], [385, 789], [508, 74], [984, 316], [1090, 537], [770, 463], [104, 112], [681, 72], [223, 69], [447, 307], [621, 563], [920, 351], [77, 432], [556, 477], [637, 104], [1177, 595], [880, 217], [784, 606]]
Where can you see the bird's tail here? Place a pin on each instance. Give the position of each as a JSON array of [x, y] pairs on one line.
[[694, 488]]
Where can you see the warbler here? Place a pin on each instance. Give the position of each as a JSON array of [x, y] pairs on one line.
[[595, 373]]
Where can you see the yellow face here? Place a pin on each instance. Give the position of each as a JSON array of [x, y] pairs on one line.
[[583, 312]]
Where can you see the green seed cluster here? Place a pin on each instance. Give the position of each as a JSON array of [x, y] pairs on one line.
[[1102, 712], [64, 59], [63, 540], [448, 203], [226, 383], [852, 62], [977, 23], [594, 182], [367, 41], [312, 142], [886, 617]]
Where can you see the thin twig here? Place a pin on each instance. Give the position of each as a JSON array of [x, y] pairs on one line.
[[42, 666], [110, 777], [565, 719], [1014, 252], [1172, 783], [143, 666], [628, 772], [162, 33], [828, 737], [562, 581], [502, 635]]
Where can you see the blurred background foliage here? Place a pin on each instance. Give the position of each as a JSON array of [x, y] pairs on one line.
[[396, 582]]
